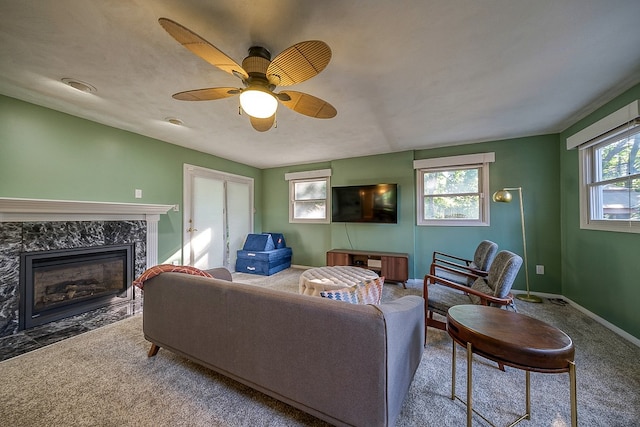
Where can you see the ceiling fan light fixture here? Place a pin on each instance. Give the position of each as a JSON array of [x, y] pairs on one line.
[[258, 102]]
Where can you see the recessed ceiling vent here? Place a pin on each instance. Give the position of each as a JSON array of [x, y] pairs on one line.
[[78, 85]]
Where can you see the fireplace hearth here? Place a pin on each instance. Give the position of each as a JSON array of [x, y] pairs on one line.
[[55, 284]]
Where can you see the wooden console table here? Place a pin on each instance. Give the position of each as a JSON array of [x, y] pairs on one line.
[[514, 340], [393, 266]]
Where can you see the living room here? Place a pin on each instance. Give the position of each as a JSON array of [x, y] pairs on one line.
[[48, 154], [113, 159]]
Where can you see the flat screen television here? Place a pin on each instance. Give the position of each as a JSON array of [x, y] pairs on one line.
[[365, 203]]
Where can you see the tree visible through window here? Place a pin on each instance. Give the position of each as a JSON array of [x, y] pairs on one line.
[[614, 184], [451, 190], [310, 199], [452, 194]]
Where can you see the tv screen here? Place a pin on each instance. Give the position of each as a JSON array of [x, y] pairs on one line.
[[365, 203]]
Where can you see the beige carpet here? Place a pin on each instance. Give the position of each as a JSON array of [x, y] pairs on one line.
[[104, 377]]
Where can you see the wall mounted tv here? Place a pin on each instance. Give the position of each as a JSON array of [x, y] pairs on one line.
[[365, 203]]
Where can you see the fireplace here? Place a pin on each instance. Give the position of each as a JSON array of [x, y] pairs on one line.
[[55, 284], [37, 225]]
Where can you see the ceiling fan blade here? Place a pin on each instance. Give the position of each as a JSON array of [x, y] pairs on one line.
[[262, 125], [208, 94], [308, 105], [202, 48], [298, 63]]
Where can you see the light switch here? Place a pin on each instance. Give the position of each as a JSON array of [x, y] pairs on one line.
[[138, 193]]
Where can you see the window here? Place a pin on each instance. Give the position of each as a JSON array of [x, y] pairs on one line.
[[452, 190], [609, 168], [611, 182], [309, 196]]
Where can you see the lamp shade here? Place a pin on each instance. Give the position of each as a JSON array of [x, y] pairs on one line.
[[502, 196], [258, 102]]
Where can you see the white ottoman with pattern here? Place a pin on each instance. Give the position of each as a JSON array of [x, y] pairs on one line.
[[315, 280]]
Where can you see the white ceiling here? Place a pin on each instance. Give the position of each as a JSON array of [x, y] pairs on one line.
[[404, 74]]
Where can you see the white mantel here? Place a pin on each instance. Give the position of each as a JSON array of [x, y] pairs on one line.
[[27, 210]]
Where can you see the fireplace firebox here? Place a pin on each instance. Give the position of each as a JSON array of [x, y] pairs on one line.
[[61, 283]]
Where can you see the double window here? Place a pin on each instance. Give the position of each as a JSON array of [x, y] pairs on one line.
[[309, 200], [453, 190]]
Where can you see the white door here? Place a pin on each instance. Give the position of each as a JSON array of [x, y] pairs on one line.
[[218, 215]]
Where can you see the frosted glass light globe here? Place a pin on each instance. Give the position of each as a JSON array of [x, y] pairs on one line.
[[258, 103]]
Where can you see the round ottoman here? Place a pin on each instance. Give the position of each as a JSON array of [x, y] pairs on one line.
[[315, 280]]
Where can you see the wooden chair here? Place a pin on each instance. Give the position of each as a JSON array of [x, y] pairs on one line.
[[464, 271], [494, 289]]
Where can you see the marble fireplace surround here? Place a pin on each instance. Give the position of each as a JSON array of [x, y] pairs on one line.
[[35, 224]]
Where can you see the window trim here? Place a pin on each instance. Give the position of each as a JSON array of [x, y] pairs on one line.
[[586, 171], [470, 161], [309, 176], [610, 127]]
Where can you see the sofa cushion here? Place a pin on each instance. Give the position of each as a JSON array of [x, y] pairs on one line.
[[349, 295], [370, 291], [367, 292], [480, 285]]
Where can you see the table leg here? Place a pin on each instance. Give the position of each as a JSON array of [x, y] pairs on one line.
[[469, 388], [453, 371], [528, 394], [574, 398]]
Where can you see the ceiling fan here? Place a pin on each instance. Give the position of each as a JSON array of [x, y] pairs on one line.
[[260, 75]]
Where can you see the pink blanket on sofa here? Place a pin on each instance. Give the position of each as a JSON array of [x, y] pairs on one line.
[[168, 268]]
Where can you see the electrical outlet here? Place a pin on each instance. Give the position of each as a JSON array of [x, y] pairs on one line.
[[539, 269]]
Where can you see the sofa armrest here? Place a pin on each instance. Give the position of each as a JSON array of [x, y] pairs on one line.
[[220, 273], [404, 319]]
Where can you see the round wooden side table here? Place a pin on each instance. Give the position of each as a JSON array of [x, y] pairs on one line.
[[511, 339]]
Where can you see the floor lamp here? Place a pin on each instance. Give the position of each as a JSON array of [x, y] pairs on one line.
[[505, 197]]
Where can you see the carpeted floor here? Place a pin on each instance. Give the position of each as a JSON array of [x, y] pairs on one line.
[[104, 377]]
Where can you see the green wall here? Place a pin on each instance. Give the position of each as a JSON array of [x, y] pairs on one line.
[[310, 242], [528, 162], [531, 163], [51, 155], [600, 269]]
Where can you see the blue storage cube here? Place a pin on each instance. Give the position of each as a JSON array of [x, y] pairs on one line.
[[259, 242], [265, 263], [278, 240], [263, 254]]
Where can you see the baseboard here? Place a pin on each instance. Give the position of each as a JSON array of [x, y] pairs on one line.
[[594, 316], [303, 267]]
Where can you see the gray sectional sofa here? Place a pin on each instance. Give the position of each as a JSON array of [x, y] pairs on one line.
[[343, 363]]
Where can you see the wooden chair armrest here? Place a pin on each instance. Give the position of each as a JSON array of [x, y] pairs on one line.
[[437, 254], [452, 269], [440, 263], [430, 278], [485, 299]]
